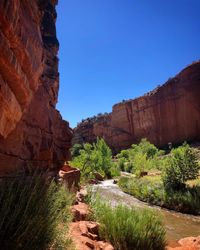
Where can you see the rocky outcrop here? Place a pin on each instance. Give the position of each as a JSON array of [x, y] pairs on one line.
[[85, 233], [32, 132], [170, 113], [70, 177]]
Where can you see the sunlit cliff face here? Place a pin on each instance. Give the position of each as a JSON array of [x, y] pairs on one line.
[[170, 113]]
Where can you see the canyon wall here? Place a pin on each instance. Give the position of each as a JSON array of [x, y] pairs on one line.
[[32, 132], [170, 113]]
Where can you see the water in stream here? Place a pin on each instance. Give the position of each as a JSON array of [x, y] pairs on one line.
[[177, 225]]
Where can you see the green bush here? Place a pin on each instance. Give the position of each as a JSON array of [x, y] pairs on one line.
[[31, 211], [129, 228], [182, 166], [143, 189], [121, 163], [96, 157], [140, 158], [115, 170], [75, 150]]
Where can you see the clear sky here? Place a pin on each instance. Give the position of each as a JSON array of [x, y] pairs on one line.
[[112, 50]]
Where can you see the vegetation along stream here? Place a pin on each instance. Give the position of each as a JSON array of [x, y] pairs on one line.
[[178, 225]]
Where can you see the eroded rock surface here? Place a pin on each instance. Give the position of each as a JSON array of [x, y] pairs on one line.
[[170, 113], [32, 132], [84, 233], [188, 243]]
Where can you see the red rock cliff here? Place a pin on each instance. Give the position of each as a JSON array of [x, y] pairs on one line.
[[170, 113], [32, 131]]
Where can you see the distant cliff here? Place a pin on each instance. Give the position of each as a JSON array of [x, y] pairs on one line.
[[32, 132], [170, 113]]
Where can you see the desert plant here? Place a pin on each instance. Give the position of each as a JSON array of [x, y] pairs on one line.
[[31, 211], [129, 228]]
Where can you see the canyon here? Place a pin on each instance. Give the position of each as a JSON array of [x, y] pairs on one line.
[[168, 114], [32, 132]]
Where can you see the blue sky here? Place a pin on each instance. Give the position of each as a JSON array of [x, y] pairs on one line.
[[112, 50]]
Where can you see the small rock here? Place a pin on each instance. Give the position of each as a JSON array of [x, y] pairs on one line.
[[93, 227], [191, 242], [83, 228], [93, 236], [188, 243], [89, 244], [105, 245], [80, 211], [93, 181], [108, 247], [80, 196], [98, 176]]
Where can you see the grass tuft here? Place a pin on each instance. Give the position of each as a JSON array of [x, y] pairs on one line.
[[128, 228], [32, 211]]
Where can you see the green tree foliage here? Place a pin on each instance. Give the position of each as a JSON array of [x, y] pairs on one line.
[[75, 150], [96, 157], [140, 157], [123, 154], [145, 147], [182, 166]]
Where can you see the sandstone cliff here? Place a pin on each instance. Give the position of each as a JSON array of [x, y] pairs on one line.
[[32, 132], [170, 113]]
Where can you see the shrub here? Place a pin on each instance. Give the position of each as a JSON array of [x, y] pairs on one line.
[[141, 157], [96, 157], [121, 164], [129, 228], [141, 163], [145, 147], [182, 166], [123, 154], [115, 170], [31, 211], [75, 150]]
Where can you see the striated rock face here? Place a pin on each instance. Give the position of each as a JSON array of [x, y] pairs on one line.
[[170, 113], [32, 132]]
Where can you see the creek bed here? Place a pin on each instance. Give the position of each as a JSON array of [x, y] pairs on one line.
[[177, 225]]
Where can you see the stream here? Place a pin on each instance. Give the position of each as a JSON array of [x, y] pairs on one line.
[[177, 225]]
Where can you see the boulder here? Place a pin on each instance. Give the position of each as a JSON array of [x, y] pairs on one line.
[[188, 243]]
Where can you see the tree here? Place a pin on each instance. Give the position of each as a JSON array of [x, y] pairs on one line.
[[104, 155], [96, 157], [75, 150], [141, 163], [182, 166], [147, 148]]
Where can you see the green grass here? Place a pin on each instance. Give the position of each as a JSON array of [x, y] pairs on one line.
[[128, 228], [150, 189], [32, 212]]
